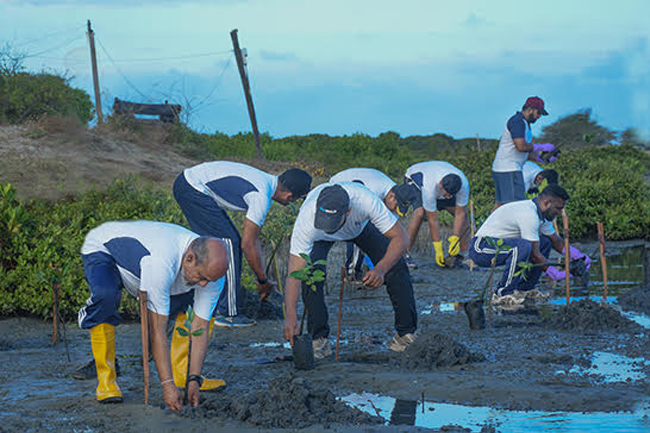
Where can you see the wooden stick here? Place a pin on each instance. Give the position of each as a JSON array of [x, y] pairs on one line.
[[567, 256], [280, 289], [603, 259], [472, 224], [55, 311], [144, 330], [338, 327]]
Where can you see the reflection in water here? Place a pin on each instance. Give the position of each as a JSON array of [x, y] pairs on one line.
[[436, 415], [611, 367]]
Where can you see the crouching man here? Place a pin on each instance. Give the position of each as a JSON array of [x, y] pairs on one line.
[[175, 267], [348, 211]]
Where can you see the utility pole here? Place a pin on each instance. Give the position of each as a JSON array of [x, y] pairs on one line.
[[93, 61], [247, 91]]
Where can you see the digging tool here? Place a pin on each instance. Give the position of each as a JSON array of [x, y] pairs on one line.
[[603, 259], [472, 225], [567, 256], [144, 330], [338, 326]]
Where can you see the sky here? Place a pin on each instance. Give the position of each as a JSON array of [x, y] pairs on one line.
[[340, 67]]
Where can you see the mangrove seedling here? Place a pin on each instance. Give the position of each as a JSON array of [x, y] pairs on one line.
[[188, 333]]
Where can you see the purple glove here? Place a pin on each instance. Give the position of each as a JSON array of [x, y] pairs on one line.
[[575, 253], [555, 273], [543, 147]]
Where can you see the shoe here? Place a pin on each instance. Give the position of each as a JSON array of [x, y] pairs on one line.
[[399, 344], [534, 294], [322, 348], [89, 371], [178, 354], [410, 262], [238, 321], [102, 341], [508, 300], [354, 278]]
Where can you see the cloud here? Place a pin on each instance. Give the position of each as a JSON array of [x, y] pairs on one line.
[[275, 56], [473, 21]]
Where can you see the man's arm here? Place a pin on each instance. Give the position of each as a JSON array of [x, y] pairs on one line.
[[252, 249], [460, 216], [291, 293], [199, 349], [536, 256], [396, 248], [434, 227], [522, 146], [160, 351], [556, 242]]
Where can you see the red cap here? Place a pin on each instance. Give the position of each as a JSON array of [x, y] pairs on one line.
[[536, 102]]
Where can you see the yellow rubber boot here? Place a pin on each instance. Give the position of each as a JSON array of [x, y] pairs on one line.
[[102, 340], [178, 352]]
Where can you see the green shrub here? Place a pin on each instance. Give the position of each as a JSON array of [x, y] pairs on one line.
[[26, 96]]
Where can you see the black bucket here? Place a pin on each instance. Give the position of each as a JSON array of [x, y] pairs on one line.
[[475, 314], [303, 352]]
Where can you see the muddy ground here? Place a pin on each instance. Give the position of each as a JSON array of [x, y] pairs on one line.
[[522, 361]]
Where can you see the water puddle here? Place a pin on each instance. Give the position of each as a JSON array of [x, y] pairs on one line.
[[285, 345], [599, 299], [435, 415], [443, 307], [639, 318], [611, 367]]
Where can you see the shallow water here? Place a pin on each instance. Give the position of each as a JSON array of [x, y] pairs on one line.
[[611, 367], [435, 415]]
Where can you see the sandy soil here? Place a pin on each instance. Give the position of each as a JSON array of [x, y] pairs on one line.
[[514, 364]]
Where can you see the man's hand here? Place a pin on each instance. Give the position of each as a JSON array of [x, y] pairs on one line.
[[265, 289], [555, 274], [543, 147], [172, 397], [290, 328], [373, 278], [440, 255], [193, 393], [454, 245]]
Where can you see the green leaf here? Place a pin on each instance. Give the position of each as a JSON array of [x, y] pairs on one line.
[[320, 262], [305, 257], [198, 332], [182, 331]]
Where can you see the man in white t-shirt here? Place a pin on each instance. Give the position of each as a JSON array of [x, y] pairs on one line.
[[534, 177], [524, 230], [206, 191], [515, 147], [442, 187], [176, 268], [397, 198], [348, 211]]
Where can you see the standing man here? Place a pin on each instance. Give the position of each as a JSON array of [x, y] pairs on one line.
[[514, 149], [397, 198], [347, 211], [176, 268], [204, 193], [441, 186], [524, 228]]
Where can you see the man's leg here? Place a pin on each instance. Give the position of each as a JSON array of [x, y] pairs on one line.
[[532, 276], [508, 186], [314, 300], [206, 218], [519, 251], [398, 280], [100, 315]]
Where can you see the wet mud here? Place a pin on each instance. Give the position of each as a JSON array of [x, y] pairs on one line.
[[589, 316], [541, 359], [637, 300]]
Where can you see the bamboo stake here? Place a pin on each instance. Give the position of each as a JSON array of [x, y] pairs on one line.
[[144, 330], [603, 259], [55, 311], [472, 224], [567, 256], [280, 289], [338, 326]]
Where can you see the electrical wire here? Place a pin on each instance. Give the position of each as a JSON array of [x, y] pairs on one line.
[[58, 47], [46, 36], [216, 86], [126, 80], [189, 56]]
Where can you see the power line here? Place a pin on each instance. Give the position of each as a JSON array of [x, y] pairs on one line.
[[216, 86], [46, 36], [189, 56], [120, 71], [65, 44]]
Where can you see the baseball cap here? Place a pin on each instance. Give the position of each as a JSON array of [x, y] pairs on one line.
[[331, 206], [406, 195], [297, 181], [536, 102], [451, 183]]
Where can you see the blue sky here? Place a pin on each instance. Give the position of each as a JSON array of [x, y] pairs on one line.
[[344, 66]]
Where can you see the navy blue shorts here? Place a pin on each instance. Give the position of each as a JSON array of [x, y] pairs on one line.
[[509, 186]]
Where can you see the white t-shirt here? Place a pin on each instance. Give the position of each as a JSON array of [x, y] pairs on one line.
[[149, 255], [427, 176], [530, 171], [508, 158], [366, 206], [235, 187], [517, 219], [374, 180]]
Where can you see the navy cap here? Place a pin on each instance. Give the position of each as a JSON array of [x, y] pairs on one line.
[[451, 183], [331, 206], [297, 181], [405, 195]]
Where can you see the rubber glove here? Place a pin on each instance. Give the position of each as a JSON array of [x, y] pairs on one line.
[[440, 256], [454, 245], [543, 147], [575, 253], [555, 274]]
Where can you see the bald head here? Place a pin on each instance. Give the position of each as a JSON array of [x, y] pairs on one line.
[[205, 260]]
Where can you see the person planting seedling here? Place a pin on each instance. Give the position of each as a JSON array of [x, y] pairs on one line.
[[347, 211], [176, 268]]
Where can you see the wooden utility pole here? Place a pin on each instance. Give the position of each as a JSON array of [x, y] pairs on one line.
[[247, 91], [93, 62]]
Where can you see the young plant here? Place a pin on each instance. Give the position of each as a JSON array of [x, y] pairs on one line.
[[188, 333], [309, 275], [498, 246]]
